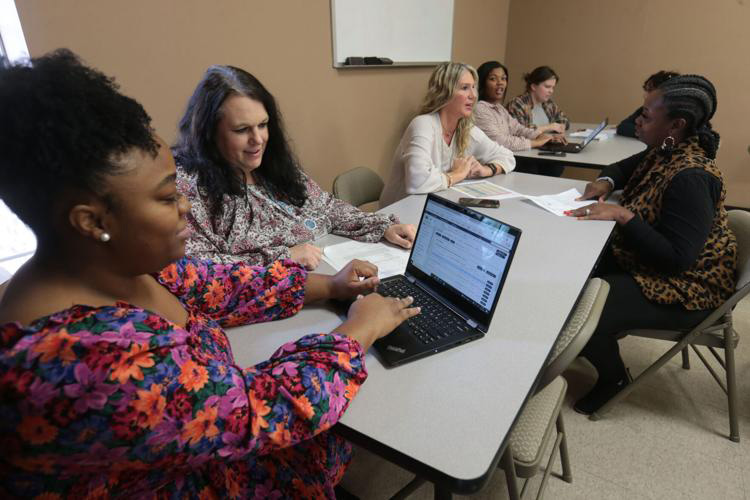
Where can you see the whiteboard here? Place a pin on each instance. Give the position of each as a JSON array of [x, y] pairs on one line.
[[405, 31]]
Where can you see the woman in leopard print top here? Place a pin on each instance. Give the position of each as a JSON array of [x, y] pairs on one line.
[[673, 257]]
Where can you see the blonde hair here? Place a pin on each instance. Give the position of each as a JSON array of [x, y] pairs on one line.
[[440, 89]]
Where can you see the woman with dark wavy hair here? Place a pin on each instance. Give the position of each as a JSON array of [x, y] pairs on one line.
[[251, 200]]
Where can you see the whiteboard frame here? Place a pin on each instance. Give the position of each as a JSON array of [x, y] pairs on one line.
[[400, 64]]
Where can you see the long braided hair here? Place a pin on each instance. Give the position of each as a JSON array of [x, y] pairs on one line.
[[693, 98]]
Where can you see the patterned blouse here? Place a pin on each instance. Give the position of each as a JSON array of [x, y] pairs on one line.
[[259, 229], [521, 108], [711, 278], [496, 122], [99, 402]]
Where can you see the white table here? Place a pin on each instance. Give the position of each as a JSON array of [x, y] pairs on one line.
[[597, 154], [447, 417]]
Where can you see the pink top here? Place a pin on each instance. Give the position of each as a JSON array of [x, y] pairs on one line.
[[496, 122]]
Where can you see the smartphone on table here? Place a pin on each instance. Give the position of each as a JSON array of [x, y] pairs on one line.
[[478, 202]]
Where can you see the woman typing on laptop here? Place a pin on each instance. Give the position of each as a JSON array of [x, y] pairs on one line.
[[536, 109], [116, 377], [441, 146]]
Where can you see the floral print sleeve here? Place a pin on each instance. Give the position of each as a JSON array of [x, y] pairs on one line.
[[116, 400], [237, 294]]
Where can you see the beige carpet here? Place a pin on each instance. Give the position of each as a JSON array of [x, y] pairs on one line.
[[667, 440]]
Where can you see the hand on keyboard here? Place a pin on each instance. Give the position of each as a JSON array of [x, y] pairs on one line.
[[375, 316]]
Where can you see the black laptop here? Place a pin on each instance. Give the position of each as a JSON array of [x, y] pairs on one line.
[[574, 147], [456, 271]]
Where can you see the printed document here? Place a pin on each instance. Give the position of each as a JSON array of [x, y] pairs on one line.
[[389, 259], [561, 202], [485, 189]]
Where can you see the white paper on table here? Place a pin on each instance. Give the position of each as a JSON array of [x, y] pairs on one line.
[[561, 202], [601, 136], [485, 189], [390, 260]]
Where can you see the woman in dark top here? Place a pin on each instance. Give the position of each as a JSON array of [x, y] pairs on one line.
[[627, 126], [673, 257]]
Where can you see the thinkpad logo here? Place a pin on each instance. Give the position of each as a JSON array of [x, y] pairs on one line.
[[399, 350]]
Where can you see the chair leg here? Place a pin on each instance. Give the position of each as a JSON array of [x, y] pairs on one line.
[[567, 474], [686, 358], [734, 430], [679, 346], [510, 473]]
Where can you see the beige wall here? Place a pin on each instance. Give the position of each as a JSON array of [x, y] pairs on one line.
[[336, 118], [603, 50]]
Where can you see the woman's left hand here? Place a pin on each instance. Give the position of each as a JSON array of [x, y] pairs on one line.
[[602, 211], [401, 234], [358, 277]]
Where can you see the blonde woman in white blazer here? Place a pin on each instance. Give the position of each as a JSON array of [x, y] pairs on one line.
[[441, 146]]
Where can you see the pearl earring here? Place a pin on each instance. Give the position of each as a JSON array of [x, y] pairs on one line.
[[104, 237]]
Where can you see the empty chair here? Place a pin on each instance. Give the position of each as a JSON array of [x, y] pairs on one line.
[[541, 419], [716, 331], [358, 186]]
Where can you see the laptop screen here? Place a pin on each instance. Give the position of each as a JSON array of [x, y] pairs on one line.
[[595, 132], [463, 255]]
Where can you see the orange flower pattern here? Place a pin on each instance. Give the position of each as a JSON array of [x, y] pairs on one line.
[[113, 401]]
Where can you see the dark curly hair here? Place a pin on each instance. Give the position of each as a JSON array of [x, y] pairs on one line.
[[196, 150], [64, 125], [693, 98], [484, 72]]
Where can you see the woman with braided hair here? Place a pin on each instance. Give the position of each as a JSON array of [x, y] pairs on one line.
[[673, 258]]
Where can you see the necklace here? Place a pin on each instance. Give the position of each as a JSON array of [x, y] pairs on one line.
[[448, 135]]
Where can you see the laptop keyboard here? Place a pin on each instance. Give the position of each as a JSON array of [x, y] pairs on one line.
[[435, 323]]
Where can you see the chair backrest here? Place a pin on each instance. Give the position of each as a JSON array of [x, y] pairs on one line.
[[739, 223], [358, 186], [577, 331]]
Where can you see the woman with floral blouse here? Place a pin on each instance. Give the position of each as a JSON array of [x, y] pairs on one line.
[[116, 378], [251, 201]]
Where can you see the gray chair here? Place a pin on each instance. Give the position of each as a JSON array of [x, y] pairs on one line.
[[541, 419], [715, 332], [358, 186]]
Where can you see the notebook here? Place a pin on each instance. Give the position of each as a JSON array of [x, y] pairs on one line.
[[456, 271], [575, 147]]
